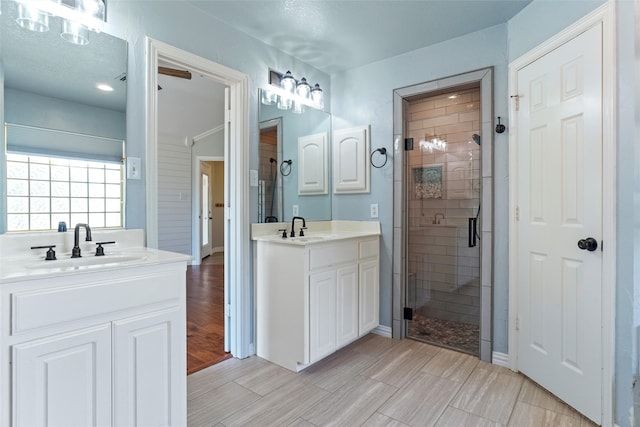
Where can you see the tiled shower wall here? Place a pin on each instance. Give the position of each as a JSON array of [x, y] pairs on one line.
[[444, 273], [268, 149]]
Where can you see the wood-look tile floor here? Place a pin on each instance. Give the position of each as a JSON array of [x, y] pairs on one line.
[[375, 381]]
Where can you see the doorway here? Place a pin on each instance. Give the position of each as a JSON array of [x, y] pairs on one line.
[[562, 181], [443, 212], [206, 210], [443, 207], [238, 337]]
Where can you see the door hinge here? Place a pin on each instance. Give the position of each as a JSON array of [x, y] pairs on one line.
[[517, 213], [227, 310], [408, 144], [517, 323], [408, 313], [517, 99]]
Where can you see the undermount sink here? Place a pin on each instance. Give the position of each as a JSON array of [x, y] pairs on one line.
[[312, 238], [87, 261]]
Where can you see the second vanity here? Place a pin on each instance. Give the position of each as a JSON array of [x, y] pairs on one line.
[[315, 293]]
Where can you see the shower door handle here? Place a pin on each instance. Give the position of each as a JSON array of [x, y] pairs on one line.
[[472, 232]]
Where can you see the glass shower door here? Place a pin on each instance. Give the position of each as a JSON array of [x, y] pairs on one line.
[[443, 200]]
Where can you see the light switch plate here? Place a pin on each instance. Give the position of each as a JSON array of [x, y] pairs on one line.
[[296, 211], [133, 168], [374, 210], [253, 178]]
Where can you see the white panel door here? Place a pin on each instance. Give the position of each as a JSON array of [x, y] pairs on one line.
[[369, 299], [150, 369], [322, 315], [347, 305], [205, 210], [64, 380], [559, 204], [351, 160]]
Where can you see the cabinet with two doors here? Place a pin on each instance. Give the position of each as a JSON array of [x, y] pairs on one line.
[[313, 300], [100, 349]]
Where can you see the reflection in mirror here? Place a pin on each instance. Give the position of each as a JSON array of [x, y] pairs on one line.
[[279, 133], [65, 117], [270, 207]]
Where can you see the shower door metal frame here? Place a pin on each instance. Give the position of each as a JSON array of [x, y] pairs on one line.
[[400, 218]]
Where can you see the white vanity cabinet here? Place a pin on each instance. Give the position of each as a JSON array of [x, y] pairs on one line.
[[95, 348], [314, 299]]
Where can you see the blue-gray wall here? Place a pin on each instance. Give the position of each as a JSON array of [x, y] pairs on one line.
[[365, 96]]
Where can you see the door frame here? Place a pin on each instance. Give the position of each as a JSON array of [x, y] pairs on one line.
[[605, 15], [237, 254], [195, 211], [483, 76]]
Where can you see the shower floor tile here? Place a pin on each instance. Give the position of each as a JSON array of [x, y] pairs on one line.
[[446, 333]]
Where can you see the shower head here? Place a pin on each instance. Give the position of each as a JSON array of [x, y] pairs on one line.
[[476, 138]]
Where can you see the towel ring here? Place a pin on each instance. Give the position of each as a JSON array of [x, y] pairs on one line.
[[382, 151], [283, 168]]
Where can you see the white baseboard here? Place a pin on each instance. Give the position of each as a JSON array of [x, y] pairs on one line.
[[217, 249], [500, 359], [385, 331]]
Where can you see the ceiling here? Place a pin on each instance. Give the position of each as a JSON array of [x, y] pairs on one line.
[[337, 35]]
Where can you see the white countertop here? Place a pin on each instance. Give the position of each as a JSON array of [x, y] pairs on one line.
[[317, 232], [19, 262], [18, 269]]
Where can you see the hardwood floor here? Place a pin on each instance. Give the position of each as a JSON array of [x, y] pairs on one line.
[[375, 381], [205, 314]]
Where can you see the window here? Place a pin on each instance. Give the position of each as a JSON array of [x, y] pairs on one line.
[[42, 191]]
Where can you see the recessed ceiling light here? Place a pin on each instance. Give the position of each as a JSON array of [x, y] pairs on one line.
[[104, 87], [453, 96]]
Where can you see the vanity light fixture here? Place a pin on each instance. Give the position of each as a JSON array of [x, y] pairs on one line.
[[78, 17], [287, 93], [74, 32], [434, 143], [32, 18]]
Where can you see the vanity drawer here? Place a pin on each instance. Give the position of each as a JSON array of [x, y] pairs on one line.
[[65, 303], [326, 256], [369, 248]]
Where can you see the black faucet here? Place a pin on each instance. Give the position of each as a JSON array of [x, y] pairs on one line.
[[75, 252], [304, 226]]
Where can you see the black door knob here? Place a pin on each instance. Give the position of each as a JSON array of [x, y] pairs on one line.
[[590, 244]]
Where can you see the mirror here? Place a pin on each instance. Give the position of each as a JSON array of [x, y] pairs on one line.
[[50, 84], [278, 180]]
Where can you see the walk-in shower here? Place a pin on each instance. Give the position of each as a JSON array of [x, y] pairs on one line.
[[443, 207]]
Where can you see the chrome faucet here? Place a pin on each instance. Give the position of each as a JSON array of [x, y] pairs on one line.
[[293, 222], [435, 217], [75, 252]]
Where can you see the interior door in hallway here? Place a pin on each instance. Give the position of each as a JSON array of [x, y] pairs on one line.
[[205, 209], [559, 207]]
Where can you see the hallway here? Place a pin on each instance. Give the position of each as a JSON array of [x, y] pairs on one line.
[[375, 381], [205, 313]]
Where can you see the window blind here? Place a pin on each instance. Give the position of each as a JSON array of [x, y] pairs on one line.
[[33, 140]]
